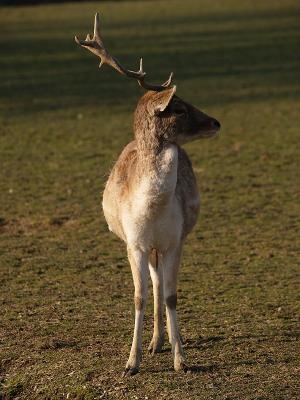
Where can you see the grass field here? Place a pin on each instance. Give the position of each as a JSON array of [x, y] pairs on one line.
[[66, 289]]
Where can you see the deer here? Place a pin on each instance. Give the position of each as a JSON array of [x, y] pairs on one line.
[[151, 199]]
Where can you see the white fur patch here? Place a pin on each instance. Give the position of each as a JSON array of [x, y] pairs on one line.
[[153, 217]]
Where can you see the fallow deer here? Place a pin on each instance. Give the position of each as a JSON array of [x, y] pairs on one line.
[[151, 199]]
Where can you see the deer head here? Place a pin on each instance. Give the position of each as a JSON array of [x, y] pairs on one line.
[[173, 119]]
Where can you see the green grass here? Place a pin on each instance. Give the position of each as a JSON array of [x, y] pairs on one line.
[[66, 290]]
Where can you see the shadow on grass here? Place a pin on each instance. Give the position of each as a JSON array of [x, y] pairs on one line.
[[191, 369], [255, 63], [211, 341], [201, 343]]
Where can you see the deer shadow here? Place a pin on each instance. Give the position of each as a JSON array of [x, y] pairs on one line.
[[200, 343]]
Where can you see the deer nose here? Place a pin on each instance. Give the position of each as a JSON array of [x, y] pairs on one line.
[[215, 124]]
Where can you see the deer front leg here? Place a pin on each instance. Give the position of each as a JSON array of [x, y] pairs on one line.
[[156, 274], [139, 267], [170, 271]]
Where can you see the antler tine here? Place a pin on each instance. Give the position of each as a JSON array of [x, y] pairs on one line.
[[169, 81], [97, 34], [156, 88], [96, 46]]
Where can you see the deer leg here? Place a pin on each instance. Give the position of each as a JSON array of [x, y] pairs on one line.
[[139, 267], [169, 331], [170, 271], [168, 328], [156, 274]]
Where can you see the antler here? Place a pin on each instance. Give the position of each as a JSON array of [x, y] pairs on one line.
[[96, 46]]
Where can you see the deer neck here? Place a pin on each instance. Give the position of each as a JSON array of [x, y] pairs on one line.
[[149, 149], [157, 163]]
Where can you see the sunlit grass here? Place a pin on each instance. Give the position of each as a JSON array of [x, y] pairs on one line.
[[66, 297]]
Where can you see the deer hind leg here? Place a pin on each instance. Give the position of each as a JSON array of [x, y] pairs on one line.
[[169, 332], [156, 274], [170, 271], [140, 272]]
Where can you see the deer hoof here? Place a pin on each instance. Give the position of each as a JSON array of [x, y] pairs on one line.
[[130, 371], [181, 367], [156, 345]]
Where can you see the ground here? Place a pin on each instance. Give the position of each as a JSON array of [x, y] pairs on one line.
[[66, 289]]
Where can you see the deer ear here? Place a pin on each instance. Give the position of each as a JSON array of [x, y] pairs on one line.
[[162, 99]]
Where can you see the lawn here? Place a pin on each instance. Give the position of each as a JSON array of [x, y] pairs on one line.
[[66, 288]]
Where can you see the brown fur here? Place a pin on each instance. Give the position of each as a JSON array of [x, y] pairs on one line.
[[139, 303]]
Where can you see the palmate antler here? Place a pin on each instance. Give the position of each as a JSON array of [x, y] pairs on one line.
[[96, 46]]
